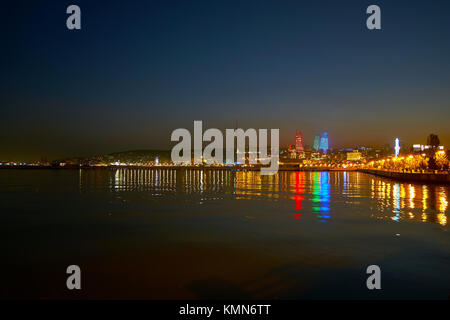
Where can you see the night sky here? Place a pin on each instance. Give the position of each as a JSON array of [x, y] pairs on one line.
[[137, 70]]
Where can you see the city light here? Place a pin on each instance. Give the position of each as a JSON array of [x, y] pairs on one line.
[[397, 147]]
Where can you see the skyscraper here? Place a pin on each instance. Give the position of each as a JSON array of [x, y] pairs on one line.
[[316, 143], [299, 142], [324, 142]]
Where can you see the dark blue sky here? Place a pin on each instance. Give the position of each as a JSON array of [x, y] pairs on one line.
[[140, 69]]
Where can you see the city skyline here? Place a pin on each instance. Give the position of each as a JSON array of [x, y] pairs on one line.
[[407, 146]]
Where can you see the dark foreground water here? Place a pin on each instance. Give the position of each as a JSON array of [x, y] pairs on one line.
[[162, 234]]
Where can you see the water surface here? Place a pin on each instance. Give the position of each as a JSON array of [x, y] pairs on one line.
[[166, 234]]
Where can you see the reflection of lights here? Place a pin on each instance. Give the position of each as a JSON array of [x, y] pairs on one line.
[[424, 217], [442, 219], [412, 194], [321, 193], [372, 188], [201, 181], [390, 198], [396, 202], [117, 178], [299, 190], [443, 203], [345, 182], [388, 190], [124, 178], [425, 197], [402, 195]]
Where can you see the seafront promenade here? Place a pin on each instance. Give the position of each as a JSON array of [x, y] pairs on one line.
[[414, 176]]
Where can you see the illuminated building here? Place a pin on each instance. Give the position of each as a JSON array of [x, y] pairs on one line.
[[299, 142], [421, 147], [397, 147], [316, 143], [299, 149], [291, 153], [324, 142], [355, 155]]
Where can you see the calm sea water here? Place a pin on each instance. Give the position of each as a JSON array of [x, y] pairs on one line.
[[162, 234]]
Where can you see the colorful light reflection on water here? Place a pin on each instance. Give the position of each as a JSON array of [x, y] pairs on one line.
[[315, 193], [321, 195], [269, 237]]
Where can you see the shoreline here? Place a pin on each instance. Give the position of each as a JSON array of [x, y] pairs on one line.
[[424, 177], [162, 167]]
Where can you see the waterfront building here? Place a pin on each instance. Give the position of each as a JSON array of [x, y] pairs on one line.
[[421, 147], [316, 143], [354, 155], [324, 142], [299, 148]]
